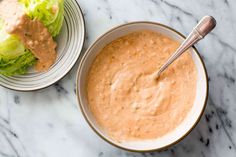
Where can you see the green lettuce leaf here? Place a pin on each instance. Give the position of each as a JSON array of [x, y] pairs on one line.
[[18, 65], [11, 47], [14, 58], [49, 12]]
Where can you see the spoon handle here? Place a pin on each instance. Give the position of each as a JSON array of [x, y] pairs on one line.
[[205, 26]]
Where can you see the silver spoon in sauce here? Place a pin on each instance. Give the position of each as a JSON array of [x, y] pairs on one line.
[[205, 26]]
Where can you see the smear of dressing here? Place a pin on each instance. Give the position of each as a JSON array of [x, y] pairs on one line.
[[32, 33], [124, 96]]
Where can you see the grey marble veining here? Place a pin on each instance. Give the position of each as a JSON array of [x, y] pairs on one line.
[[47, 123]]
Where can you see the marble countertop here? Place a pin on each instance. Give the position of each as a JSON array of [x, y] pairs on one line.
[[47, 123]]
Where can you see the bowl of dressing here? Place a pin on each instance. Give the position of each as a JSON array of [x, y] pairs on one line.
[[122, 100]]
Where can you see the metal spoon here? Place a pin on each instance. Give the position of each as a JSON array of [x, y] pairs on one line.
[[205, 26]]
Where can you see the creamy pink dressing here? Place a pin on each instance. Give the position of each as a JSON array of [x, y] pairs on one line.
[[124, 96], [32, 33]]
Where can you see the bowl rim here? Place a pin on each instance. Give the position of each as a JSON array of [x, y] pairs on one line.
[[61, 77], [79, 103]]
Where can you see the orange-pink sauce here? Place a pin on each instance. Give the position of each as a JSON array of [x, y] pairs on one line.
[[124, 96]]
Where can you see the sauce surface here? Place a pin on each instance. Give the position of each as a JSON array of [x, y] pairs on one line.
[[32, 33], [124, 96]]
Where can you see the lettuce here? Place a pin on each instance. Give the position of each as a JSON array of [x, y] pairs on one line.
[[11, 47], [18, 65], [14, 58], [49, 12]]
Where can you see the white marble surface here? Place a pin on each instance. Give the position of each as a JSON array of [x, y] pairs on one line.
[[47, 123]]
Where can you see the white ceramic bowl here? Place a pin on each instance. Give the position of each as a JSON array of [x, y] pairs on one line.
[[147, 145], [70, 43]]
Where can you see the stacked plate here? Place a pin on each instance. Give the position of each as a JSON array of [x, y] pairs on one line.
[[70, 43]]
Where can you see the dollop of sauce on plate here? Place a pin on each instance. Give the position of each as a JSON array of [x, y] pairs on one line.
[[126, 99], [32, 33]]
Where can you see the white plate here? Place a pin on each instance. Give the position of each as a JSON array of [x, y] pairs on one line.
[[70, 43], [143, 145]]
